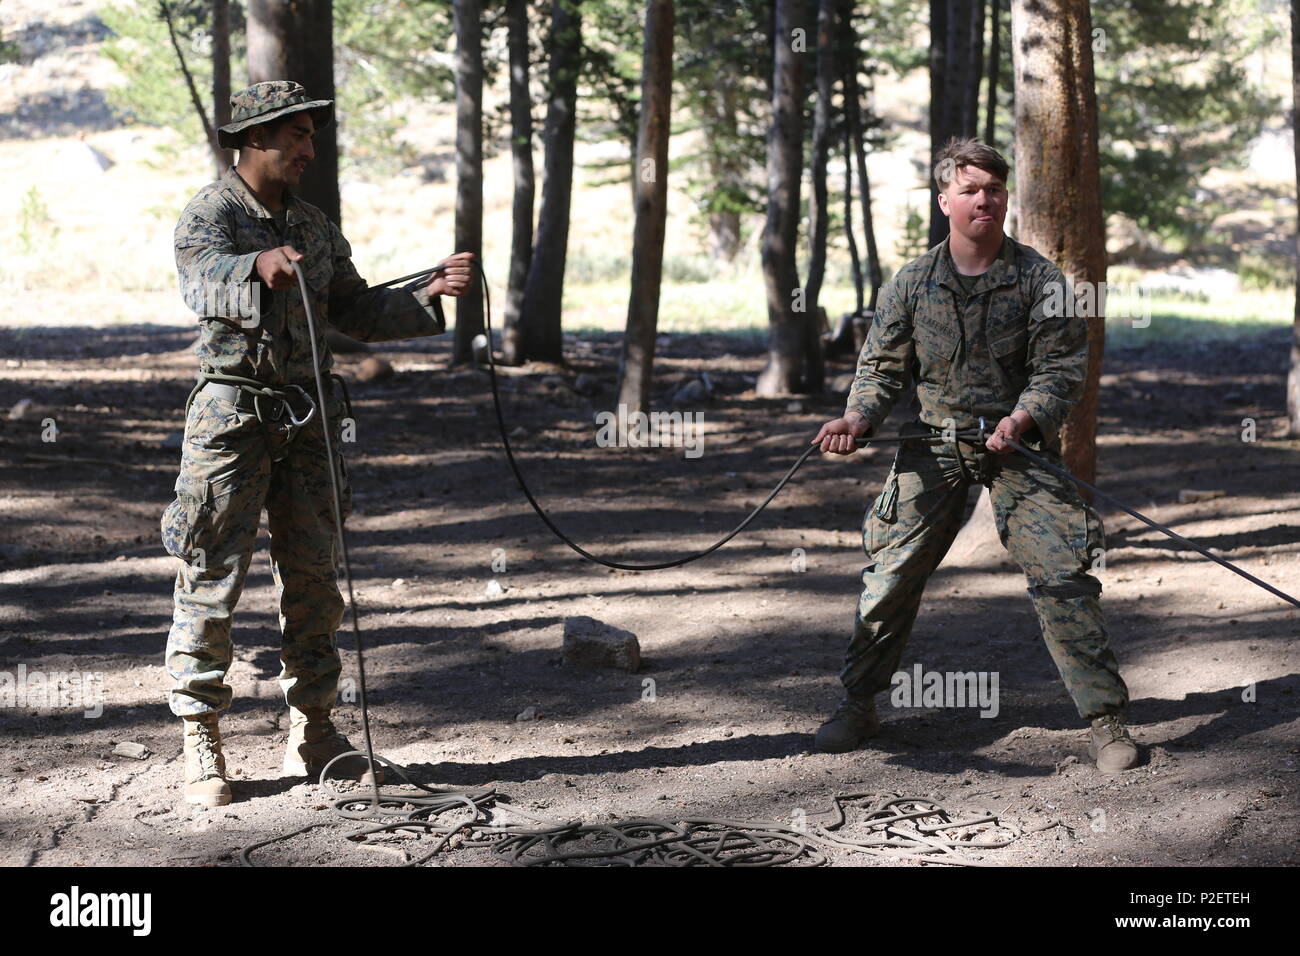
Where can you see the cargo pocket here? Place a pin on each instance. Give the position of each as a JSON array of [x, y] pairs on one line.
[[190, 523], [185, 517]]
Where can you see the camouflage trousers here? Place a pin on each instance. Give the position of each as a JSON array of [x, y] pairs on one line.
[[1044, 524], [233, 466]]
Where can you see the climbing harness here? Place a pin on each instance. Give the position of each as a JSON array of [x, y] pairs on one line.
[[896, 827]]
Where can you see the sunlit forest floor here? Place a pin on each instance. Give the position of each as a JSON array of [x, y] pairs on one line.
[[743, 648]]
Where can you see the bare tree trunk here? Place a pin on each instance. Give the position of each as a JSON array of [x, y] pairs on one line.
[[1293, 377], [858, 284], [853, 110], [786, 322], [956, 40], [521, 149], [544, 291], [725, 165], [221, 77], [469, 166], [974, 59], [637, 363], [995, 63], [938, 88], [1058, 176], [814, 377], [818, 212], [295, 41]]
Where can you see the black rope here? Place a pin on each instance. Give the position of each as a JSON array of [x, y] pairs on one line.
[[323, 409], [662, 565], [1043, 463], [894, 824]]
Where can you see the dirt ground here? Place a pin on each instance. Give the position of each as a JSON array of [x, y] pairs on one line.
[[742, 648]]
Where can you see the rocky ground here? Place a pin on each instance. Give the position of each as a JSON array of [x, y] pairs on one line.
[[740, 649]]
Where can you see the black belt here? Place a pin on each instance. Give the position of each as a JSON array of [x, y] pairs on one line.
[[270, 404], [273, 404]]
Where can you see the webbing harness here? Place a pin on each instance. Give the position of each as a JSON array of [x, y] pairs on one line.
[[262, 395]]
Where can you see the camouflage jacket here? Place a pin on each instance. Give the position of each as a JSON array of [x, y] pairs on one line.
[[1000, 350], [247, 328]]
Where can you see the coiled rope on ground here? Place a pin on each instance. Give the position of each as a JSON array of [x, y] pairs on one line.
[[890, 826]]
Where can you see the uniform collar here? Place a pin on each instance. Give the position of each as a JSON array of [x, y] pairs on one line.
[[1004, 270], [248, 199]]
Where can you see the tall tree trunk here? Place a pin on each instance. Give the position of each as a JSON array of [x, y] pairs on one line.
[[221, 77], [995, 63], [637, 363], [544, 291], [784, 171], [938, 131], [1058, 176], [853, 114], [818, 211], [469, 166], [1293, 377], [295, 41], [725, 166], [521, 151], [855, 261], [956, 41]]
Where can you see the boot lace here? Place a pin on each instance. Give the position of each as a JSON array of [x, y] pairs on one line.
[[205, 743], [1113, 726]]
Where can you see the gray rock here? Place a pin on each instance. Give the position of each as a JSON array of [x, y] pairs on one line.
[[129, 748], [528, 713], [20, 408], [493, 589], [374, 369], [592, 643], [692, 391]]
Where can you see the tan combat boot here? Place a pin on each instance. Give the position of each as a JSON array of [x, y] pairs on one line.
[[205, 765], [314, 741], [853, 722], [1111, 746]]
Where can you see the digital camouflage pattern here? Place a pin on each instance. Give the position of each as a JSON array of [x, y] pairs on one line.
[[1049, 530], [229, 472], [982, 355], [267, 101], [251, 330], [985, 355], [233, 466]]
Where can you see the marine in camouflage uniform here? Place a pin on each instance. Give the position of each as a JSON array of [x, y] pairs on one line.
[[976, 346], [236, 461]]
